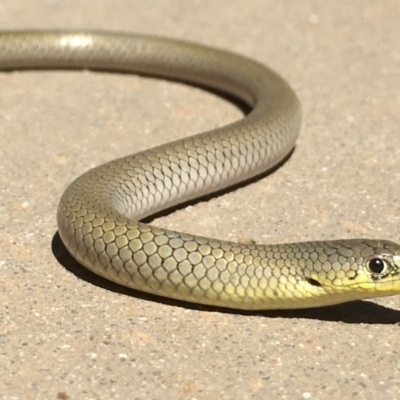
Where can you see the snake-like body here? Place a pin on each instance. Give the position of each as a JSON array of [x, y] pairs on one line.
[[98, 215]]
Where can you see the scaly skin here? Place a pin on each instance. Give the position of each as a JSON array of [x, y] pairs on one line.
[[99, 212]]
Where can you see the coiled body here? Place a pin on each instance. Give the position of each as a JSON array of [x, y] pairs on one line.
[[99, 212]]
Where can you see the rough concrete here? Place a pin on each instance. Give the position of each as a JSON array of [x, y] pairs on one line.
[[65, 335]]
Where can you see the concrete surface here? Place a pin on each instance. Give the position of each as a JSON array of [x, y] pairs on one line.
[[65, 335]]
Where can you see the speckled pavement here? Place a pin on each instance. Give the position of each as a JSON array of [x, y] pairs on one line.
[[65, 334]]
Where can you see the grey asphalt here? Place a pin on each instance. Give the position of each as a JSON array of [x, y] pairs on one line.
[[66, 335]]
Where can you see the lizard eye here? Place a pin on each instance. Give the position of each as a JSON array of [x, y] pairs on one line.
[[377, 265]]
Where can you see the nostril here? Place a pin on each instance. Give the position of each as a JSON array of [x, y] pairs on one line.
[[313, 282]]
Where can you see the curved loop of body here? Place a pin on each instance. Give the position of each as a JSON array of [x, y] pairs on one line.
[[98, 215]]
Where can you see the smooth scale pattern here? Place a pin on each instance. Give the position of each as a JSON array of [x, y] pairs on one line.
[[99, 212]]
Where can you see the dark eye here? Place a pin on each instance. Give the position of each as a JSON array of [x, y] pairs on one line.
[[376, 265]]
